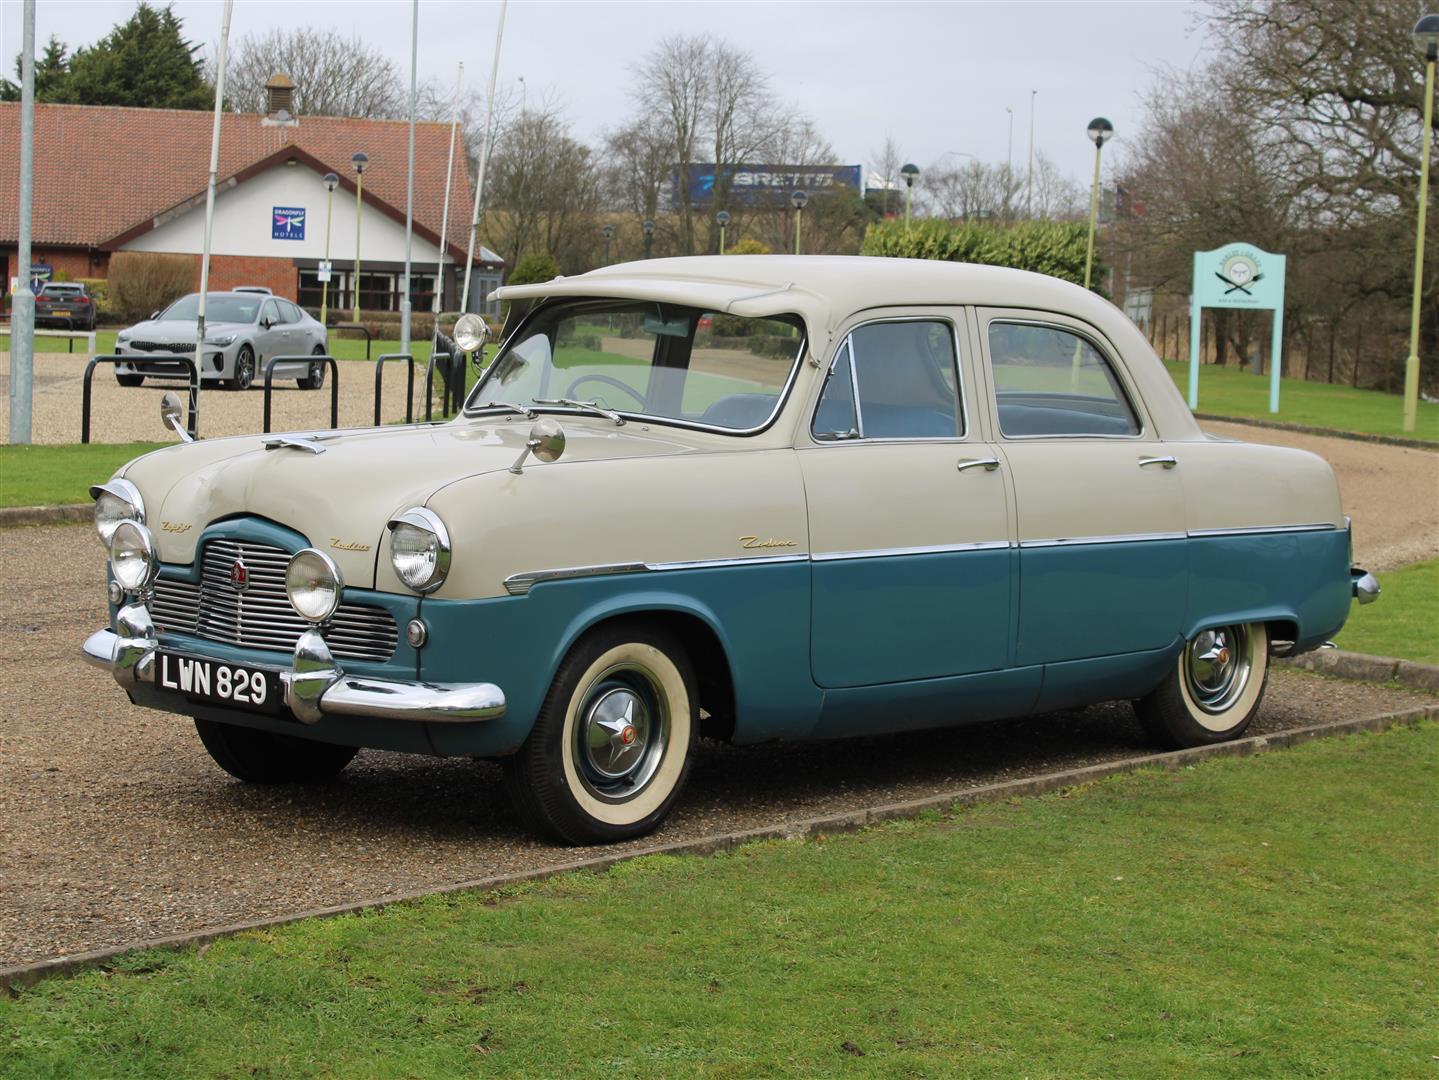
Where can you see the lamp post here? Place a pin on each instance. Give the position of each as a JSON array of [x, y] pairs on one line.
[[1100, 132], [649, 227], [722, 219], [360, 160], [798, 200], [910, 172], [1426, 35], [608, 232], [330, 181]]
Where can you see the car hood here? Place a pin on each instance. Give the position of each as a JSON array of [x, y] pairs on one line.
[[168, 330], [341, 499]]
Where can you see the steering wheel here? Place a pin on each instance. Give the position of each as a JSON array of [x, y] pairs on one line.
[[609, 380]]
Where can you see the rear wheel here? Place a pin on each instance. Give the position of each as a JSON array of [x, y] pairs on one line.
[[244, 369], [1213, 691], [262, 757], [612, 743], [315, 377], [129, 380]]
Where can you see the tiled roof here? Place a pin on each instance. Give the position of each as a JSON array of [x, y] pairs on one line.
[[102, 170]]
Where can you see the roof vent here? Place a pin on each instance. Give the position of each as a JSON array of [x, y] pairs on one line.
[[279, 99]]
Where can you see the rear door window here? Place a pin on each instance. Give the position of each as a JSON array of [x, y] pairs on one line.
[[1052, 381]]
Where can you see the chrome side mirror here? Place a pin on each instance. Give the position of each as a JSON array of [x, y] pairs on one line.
[[172, 415], [546, 442]]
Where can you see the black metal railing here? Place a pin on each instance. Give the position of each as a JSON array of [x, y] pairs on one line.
[[409, 384], [192, 421], [362, 328], [334, 384]]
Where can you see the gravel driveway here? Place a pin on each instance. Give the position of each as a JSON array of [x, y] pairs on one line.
[[118, 828]]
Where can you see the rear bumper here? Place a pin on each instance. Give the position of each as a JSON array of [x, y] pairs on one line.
[[315, 685]]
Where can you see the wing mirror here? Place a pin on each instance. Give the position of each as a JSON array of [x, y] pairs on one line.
[[546, 442], [172, 416]]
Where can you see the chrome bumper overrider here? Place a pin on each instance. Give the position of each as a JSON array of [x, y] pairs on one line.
[[315, 686], [1363, 586]]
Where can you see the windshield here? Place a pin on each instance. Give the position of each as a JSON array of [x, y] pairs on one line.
[[223, 307], [641, 358]]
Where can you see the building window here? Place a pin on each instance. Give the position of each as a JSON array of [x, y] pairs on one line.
[[380, 290]]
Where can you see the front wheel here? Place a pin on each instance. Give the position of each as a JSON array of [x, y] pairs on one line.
[[129, 380], [612, 743], [262, 757], [244, 369], [1213, 691]]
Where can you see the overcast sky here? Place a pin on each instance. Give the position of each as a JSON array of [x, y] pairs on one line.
[[937, 76]]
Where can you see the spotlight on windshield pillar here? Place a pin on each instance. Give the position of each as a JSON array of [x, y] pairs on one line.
[[1100, 132], [1426, 36], [910, 172], [649, 227], [360, 160], [722, 219], [608, 232], [798, 200]]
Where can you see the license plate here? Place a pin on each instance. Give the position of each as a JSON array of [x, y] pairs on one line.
[[235, 685]]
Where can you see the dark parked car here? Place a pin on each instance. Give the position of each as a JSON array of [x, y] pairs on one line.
[[66, 304]]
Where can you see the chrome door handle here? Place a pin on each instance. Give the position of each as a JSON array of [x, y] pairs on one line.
[[1167, 462], [988, 464]]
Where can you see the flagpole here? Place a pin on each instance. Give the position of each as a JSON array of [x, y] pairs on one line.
[[210, 218], [484, 160], [410, 181], [438, 301]]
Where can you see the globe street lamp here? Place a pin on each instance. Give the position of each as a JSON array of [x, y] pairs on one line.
[[1100, 132], [608, 232], [360, 161], [798, 201], [330, 181], [910, 172], [649, 228], [722, 219], [1426, 35]]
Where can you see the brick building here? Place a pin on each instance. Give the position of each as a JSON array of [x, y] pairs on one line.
[[110, 179]]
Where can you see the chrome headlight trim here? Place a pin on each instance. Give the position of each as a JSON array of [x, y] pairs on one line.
[[133, 561], [313, 585], [423, 563], [112, 499]]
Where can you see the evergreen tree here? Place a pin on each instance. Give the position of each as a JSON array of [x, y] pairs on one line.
[[143, 62], [52, 75]]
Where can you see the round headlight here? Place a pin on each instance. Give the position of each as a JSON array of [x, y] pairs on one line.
[[420, 549], [132, 557], [314, 585], [116, 501]]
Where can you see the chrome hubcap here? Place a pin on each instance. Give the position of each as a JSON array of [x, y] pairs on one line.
[[1217, 664], [621, 733]]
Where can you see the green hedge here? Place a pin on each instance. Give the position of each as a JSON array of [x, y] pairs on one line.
[[1055, 248]]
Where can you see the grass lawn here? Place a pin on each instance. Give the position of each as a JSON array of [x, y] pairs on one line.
[[1259, 917], [1227, 391], [1404, 621], [47, 475]]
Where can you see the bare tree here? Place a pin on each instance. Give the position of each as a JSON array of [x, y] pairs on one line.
[[673, 81], [886, 162], [333, 75], [973, 189]]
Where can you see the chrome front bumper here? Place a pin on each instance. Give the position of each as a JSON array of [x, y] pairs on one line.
[[315, 686]]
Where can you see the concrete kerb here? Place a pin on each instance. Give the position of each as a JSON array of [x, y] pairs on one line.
[[1328, 433], [15, 979], [1365, 668], [65, 514]]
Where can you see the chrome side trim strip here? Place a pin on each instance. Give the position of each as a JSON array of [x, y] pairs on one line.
[[1126, 538], [742, 560], [931, 549], [519, 584], [1257, 530]]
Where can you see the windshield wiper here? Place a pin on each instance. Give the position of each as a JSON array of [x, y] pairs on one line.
[[592, 406], [530, 413]]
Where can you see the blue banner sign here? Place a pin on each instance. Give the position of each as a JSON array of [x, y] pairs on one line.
[[763, 185], [288, 223]]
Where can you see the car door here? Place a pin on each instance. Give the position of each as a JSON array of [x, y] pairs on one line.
[[270, 339], [1103, 562], [908, 509]]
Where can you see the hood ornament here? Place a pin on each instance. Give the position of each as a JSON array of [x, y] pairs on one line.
[[297, 442]]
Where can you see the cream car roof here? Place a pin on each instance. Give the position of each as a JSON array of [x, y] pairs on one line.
[[826, 290]]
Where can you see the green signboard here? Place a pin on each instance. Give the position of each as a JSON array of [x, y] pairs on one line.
[[1237, 276]]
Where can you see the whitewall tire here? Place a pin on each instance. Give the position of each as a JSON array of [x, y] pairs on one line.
[[1214, 689], [612, 744]]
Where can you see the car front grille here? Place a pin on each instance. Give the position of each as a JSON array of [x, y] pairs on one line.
[[162, 346], [261, 617]]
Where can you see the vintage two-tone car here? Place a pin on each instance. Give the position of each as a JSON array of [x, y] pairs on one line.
[[747, 497]]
